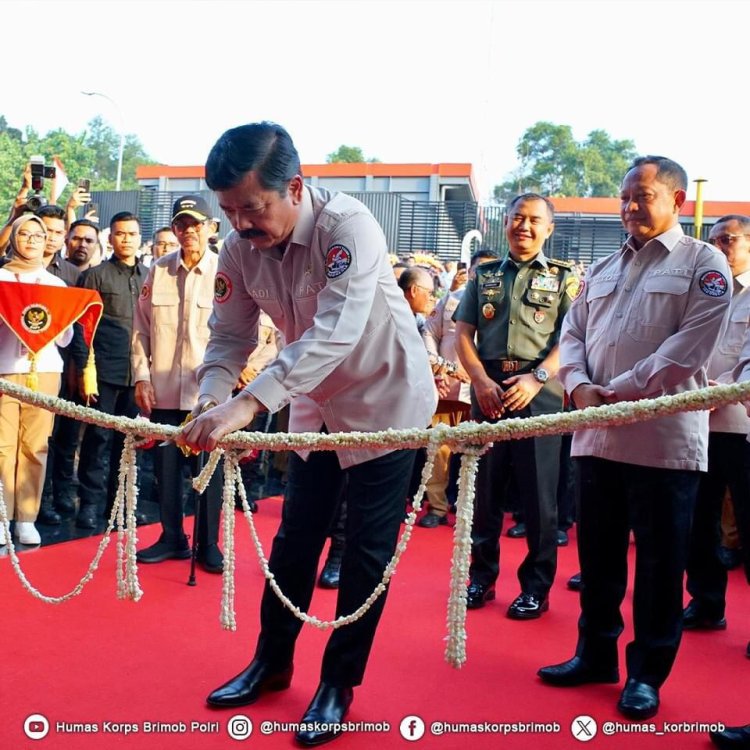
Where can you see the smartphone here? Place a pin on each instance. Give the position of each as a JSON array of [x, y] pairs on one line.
[[461, 266], [89, 207], [84, 185]]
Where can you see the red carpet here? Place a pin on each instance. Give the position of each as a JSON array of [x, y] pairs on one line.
[[97, 659]]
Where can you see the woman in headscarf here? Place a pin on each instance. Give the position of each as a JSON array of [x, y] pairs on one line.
[[25, 429]]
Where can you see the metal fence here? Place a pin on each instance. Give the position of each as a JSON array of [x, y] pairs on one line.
[[410, 226]]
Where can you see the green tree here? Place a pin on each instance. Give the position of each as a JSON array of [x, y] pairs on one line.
[[348, 155], [552, 162], [92, 154]]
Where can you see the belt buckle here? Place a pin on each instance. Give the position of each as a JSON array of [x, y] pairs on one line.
[[509, 365]]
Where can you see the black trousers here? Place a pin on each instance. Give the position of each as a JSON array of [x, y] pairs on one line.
[[658, 505], [169, 462], [727, 468], [375, 495], [99, 459], [531, 468]]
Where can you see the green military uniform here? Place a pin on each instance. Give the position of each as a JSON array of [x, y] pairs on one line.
[[517, 310]]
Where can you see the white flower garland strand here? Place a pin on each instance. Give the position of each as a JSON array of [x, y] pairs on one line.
[[458, 438], [455, 650]]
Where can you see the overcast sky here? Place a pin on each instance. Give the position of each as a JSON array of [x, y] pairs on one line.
[[407, 81]]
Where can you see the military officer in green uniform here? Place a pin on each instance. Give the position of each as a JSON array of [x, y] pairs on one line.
[[507, 329]]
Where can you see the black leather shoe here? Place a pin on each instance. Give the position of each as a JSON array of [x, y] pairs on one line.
[[329, 576], [141, 519], [732, 737], [528, 607], [48, 516], [327, 710], [164, 549], [575, 672], [477, 595], [86, 518], [250, 684], [638, 700], [562, 538], [518, 531], [210, 558], [431, 520], [729, 558], [695, 619], [574, 582]]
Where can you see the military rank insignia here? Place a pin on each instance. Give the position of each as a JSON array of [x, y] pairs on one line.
[[539, 316]]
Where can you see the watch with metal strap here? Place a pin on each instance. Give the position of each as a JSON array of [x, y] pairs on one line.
[[540, 375]]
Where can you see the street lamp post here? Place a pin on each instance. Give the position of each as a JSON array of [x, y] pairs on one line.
[[122, 132]]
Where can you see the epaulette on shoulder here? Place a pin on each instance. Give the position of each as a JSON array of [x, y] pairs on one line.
[[489, 265], [562, 263]]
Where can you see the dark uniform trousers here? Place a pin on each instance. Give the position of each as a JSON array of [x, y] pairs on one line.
[[531, 466], [374, 495], [658, 505], [706, 576], [169, 461], [101, 448]]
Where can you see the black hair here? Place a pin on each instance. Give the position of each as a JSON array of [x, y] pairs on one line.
[[84, 223], [669, 172], [261, 147], [50, 212], [124, 216], [524, 197]]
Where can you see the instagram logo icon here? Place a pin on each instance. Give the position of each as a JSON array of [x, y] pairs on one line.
[[239, 727], [411, 728]]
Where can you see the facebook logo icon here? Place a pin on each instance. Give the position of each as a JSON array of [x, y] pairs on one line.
[[411, 728]]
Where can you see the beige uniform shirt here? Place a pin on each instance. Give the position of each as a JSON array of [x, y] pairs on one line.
[[644, 325], [352, 357], [439, 335], [726, 356], [170, 328]]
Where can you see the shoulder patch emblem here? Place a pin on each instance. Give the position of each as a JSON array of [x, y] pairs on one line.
[[338, 260], [713, 283], [574, 287], [222, 287]]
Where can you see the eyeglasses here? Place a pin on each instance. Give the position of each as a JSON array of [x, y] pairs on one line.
[[426, 289], [32, 237], [726, 239], [183, 225]]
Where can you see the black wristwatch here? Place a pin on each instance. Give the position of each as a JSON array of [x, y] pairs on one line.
[[540, 375]]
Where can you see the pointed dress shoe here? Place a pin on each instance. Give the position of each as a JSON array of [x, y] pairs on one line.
[[638, 700], [518, 531], [693, 618], [250, 684], [477, 594], [574, 582], [528, 607], [210, 558], [732, 737], [432, 520], [575, 672], [330, 575], [327, 710]]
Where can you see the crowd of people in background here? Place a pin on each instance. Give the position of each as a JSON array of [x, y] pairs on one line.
[[505, 336]]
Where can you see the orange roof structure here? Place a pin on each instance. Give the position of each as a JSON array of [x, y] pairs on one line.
[[611, 207]]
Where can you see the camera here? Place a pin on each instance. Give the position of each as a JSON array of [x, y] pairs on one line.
[[39, 172]]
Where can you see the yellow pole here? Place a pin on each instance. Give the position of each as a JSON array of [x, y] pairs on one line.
[[699, 206]]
